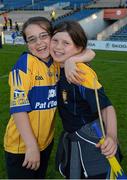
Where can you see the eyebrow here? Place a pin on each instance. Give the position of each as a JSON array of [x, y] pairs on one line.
[[35, 36], [30, 37]]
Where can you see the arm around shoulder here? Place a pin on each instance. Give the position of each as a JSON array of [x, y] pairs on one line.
[[72, 72]]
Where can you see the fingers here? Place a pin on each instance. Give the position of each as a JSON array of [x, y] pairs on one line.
[[75, 77], [98, 145], [111, 153], [80, 71], [24, 163], [31, 165], [109, 148], [32, 158], [37, 166]]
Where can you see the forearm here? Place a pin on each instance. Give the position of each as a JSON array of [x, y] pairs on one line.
[[85, 56], [110, 121], [24, 128], [109, 146], [72, 72]]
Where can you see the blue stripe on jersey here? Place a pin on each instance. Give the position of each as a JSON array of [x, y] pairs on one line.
[[42, 97], [20, 82], [16, 77], [21, 63], [49, 63], [82, 91], [17, 109], [89, 95], [13, 77]]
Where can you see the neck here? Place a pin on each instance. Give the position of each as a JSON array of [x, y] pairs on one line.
[[45, 60], [62, 65]]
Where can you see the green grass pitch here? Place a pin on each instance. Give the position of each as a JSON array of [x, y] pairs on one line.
[[111, 68]]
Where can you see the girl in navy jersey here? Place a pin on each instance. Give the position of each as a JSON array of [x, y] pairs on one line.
[[80, 155]]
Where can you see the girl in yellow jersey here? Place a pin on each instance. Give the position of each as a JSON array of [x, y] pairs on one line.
[[29, 135]]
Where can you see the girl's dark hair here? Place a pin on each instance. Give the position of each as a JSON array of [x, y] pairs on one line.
[[75, 31], [40, 21]]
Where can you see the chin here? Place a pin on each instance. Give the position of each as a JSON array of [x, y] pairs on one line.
[[56, 60]]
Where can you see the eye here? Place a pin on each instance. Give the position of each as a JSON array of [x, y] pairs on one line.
[[66, 43], [31, 40], [54, 40], [44, 36]]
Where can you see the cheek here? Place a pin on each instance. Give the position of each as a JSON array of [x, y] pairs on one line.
[[51, 45], [48, 42], [71, 51], [31, 48], [51, 48]]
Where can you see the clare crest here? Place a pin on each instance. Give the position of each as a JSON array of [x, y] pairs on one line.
[[64, 96]]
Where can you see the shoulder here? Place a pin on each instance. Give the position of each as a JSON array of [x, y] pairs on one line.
[[86, 68], [89, 76], [24, 62]]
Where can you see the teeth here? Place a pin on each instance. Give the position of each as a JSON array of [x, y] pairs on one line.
[[58, 53], [42, 48]]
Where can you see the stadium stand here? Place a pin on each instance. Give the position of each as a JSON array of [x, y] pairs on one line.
[[109, 4], [89, 13], [78, 15], [40, 4], [14, 4], [120, 35]]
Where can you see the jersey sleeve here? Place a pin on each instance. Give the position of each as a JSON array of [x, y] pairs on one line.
[[19, 81], [87, 89]]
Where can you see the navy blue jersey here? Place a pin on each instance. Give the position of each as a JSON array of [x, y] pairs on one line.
[[77, 104]]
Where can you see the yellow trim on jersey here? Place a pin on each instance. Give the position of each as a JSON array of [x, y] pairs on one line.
[[90, 77]]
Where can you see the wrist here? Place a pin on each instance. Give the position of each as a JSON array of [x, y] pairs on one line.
[[31, 144], [114, 137], [71, 59]]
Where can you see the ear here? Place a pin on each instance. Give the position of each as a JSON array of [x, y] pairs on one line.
[[79, 50]]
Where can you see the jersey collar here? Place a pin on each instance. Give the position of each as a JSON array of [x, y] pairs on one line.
[[48, 63]]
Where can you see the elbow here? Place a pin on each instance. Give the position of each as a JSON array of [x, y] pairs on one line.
[[93, 54]]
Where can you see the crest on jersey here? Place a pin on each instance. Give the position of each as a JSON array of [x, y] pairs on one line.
[[64, 96], [50, 74]]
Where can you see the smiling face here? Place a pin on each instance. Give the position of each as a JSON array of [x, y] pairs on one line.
[[62, 47], [38, 41]]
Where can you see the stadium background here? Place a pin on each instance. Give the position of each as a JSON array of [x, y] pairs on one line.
[[105, 22]]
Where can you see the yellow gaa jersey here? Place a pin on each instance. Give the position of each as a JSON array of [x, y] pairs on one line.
[[32, 90]]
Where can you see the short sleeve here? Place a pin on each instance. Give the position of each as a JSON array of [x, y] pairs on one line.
[[19, 81], [87, 89], [103, 99]]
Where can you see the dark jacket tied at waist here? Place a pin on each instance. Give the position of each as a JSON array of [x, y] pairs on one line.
[[79, 150]]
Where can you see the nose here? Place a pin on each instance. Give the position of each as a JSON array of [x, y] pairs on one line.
[[39, 41], [59, 45]]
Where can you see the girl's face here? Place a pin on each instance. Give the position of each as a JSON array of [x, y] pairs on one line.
[[38, 41], [62, 47]]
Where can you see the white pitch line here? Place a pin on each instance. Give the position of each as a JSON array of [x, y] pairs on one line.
[[4, 76], [9, 52], [102, 60], [111, 61]]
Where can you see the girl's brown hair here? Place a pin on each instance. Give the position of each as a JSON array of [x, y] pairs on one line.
[[75, 31], [40, 21]]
